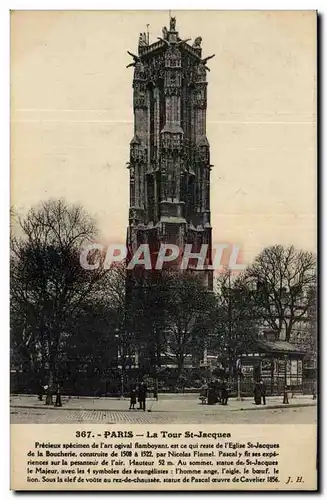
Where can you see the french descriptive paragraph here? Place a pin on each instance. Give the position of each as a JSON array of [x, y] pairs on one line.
[[162, 457]]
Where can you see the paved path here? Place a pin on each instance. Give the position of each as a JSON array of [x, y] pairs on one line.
[[176, 408], [172, 403], [302, 415]]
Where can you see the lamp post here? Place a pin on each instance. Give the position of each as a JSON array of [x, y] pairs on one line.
[[231, 339], [119, 355], [48, 387], [239, 374], [122, 384], [285, 398]]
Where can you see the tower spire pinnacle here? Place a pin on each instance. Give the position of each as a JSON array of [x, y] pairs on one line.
[[147, 34]]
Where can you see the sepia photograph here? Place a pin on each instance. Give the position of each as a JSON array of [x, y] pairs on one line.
[[163, 246]]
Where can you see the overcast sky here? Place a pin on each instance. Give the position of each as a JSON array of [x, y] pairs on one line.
[[72, 117]]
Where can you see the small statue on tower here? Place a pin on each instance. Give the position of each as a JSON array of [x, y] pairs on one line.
[[197, 42], [172, 23], [142, 40]]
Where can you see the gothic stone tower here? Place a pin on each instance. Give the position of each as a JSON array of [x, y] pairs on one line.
[[169, 153]]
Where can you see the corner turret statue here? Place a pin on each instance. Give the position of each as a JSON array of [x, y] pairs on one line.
[[142, 40], [197, 42]]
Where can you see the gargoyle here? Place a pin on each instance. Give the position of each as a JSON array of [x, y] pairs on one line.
[[177, 43], [204, 61], [135, 58], [183, 41], [164, 40]]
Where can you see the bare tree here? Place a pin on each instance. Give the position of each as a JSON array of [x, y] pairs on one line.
[[284, 277], [48, 284], [307, 338], [147, 300], [169, 313], [190, 313], [236, 319]]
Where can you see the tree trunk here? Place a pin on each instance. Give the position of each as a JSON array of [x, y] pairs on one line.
[[180, 366], [49, 391], [288, 331], [231, 363], [158, 355]]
